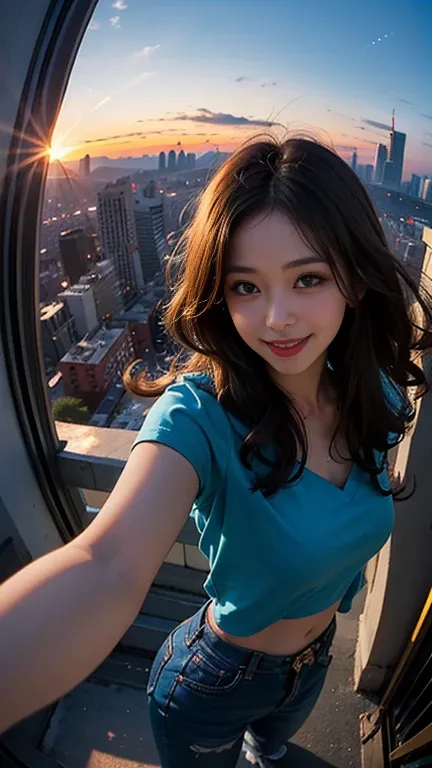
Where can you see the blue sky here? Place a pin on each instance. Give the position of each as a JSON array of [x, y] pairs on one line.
[[153, 73]]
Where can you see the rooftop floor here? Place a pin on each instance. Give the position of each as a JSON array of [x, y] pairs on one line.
[[103, 723]]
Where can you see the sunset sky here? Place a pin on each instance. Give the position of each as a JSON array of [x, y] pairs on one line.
[[208, 73]]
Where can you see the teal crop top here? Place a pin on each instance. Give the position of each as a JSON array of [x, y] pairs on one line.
[[288, 556]]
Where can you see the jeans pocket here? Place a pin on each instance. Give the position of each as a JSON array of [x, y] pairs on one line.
[[207, 675], [160, 661]]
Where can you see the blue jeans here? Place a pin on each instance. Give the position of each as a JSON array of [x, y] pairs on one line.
[[204, 693]]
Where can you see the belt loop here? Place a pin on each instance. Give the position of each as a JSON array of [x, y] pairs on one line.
[[254, 660]]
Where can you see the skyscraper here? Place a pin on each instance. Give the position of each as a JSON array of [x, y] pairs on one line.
[[427, 191], [181, 160], [104, 283], [149, 222], [354, 160], [84, 166], [396, 157], [414, 189], [116, 219], [73, 245], [81, 304], [422, 184], [172, 160], [389, 173], [368, 173], [190, 160], [58, 331], [379, 162], [162, 161]]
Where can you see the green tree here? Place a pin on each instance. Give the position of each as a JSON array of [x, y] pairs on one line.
[[71, 410]]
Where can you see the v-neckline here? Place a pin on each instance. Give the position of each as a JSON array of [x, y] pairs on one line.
[[349, 487], [346, 493]]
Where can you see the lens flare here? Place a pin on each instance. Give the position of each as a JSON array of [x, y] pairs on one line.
[[57, 152]]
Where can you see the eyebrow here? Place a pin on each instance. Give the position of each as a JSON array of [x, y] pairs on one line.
[[241, 269]]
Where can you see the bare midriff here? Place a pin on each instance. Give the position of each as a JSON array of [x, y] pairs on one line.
[[284, 637]]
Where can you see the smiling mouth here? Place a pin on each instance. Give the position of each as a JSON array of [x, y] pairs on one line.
[[285, 344], [287, 348]]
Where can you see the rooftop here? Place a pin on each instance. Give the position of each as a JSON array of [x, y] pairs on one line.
[[75, 290], [49, 310], [139, 312], [91, 350]]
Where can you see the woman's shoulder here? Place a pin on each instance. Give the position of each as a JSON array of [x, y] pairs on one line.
[[190, 397], [197, 380], [194, 389]]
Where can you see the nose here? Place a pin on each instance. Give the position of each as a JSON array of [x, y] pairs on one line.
[[279, 314]]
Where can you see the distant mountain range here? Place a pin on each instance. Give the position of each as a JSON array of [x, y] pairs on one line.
[[109, 169]]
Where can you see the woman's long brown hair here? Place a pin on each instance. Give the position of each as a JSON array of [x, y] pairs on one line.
[[382, 334]]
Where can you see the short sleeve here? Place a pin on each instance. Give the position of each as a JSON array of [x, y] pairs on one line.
[[187, 419]]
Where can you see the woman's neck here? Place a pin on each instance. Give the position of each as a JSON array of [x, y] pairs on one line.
[[311, 391]]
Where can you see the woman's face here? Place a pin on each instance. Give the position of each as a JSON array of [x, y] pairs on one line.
[[278, 290]]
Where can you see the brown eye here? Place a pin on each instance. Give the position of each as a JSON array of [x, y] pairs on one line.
[[243, 288], [309, 280]]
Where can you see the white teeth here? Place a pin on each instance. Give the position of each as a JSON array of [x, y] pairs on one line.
[[283, 346]]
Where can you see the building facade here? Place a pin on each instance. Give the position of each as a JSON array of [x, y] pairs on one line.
[[95, 362], [84, 166], [172, 160], [427, 190], [379, 162], [106, 290], [150, 229], [75, 253], [81, 304], [58, 331], [394, 167], [115, 210]]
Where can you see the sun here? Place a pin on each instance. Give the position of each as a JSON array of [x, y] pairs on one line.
[[57, 152]]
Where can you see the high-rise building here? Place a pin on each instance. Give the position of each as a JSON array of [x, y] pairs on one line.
[[115, 210], [103, 280], [190, 161], [81, 304], [365, 172], [396, 157], [74, 251], [368, 173], [58, 331], [388, 175], [427, 191], [379, 162], [181, 161], [354, 160], [423, 181], [171, 160], [150, 228], [414, 189], [162, 161], [84, 166]]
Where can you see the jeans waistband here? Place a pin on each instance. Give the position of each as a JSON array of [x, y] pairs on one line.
[[198, 627]]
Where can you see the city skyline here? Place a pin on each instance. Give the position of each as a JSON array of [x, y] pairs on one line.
[[148, 79]]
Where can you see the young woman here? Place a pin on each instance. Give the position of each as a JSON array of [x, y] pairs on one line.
[[293, 305], [274, 435]]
